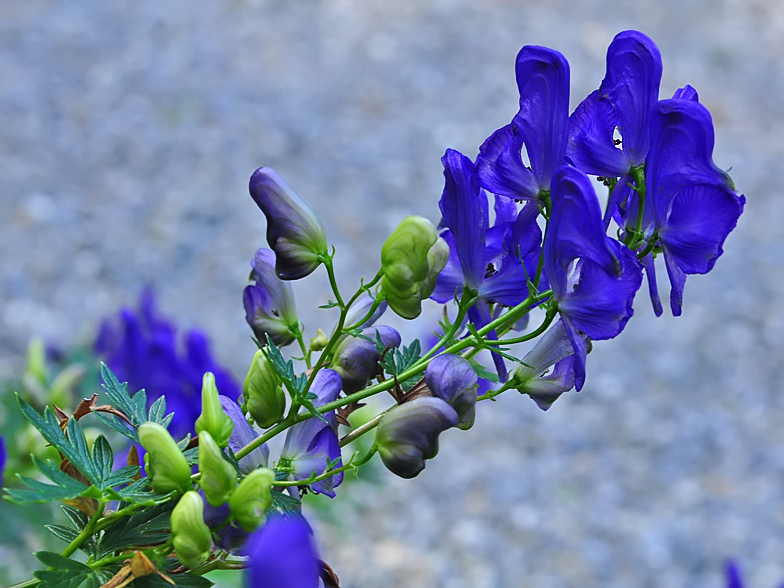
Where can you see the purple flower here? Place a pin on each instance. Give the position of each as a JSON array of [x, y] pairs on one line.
[[312, 444], [534, 376], [540, 126], [451, 378], [732, 573], [282, 554], [293, 231], [356, 358], [269, 303], [691, 205], [408, 434], [593, 278], [241, 435], [478, 259], [141, 349]]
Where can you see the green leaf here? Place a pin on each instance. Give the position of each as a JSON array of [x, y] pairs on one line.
[[62, 532], [118, 425], [103, 458], [330, 304], [285, 504], [118, 394], [189, 580], [482, 372], [67, 573], [65, 486], [139, 491], [149, 526], [122, 476], [58, 562]]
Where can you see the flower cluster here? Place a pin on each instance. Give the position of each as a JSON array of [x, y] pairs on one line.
[[544, 250]]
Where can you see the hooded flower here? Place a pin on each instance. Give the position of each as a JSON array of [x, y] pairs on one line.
[[269, 303], [593, 278], [541, 127], [451, 378], [282, 554], [241, 435], [311, 444], [293, 231], [692, 205], [623, 105], [356, 358], [408, 434]]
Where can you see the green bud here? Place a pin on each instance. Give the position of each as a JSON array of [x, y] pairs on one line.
[[165, 463], [411, 259], [213, 419], [192, 539], [263, 392], [252, 499], [318, 342], [218, 477]]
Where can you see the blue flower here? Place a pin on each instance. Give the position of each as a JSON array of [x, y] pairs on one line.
[[282, 554], [312, 444], [143, 351], [269, 303], [593, 278]]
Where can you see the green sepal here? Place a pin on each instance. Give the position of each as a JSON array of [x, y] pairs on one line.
[[192, 538], [251, 499], [218, 477], [213, 419], [264, 396], [168, 467]]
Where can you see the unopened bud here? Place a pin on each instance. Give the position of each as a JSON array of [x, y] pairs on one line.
[[411, 259], [318, 342], [263, 392], [218, 477], [251, 499], [451, 378], [213, 419], [191, 536], [165, 463]]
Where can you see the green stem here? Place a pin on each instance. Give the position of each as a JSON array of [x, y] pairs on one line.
[[86, 533], [123, 512], [649, 247], [638, 173], [349, 466], [361, 430], [466, 301], [302, 346], [551, 312]]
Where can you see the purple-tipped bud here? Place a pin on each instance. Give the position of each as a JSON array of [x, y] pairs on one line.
[[408, 435], [451, 378], [293, 231], [269, 303], [356, 358], [282, 554]]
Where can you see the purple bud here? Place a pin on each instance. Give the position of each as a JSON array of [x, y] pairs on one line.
[[451, 378], [408, 434], [293, 231], [282, 555], [269, 303], [356, 358]]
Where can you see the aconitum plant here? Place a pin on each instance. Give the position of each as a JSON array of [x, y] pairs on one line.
[[548, 268]]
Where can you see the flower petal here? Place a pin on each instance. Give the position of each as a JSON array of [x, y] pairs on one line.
[[501, 168], [591, 145], [282, 555]]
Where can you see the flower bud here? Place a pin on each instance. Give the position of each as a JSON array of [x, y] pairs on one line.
[[408, 434], [356, 358], [192, 539], [213, 420], [251, 499], [269, 303], [411, 259], [293, 231], [165, 463], [318, 342], [263, 392], [218, 477], [451, 378]]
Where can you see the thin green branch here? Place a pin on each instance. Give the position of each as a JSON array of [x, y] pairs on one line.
[[86, 533]]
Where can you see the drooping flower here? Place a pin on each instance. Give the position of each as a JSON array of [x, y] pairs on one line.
[[692, 205], [408, 434], [452, 379], [534, 376], [142, 349], [356, 358], [293, 231], [269, 302], [282, 554], [593, 278], [540, 126], [312, 444]]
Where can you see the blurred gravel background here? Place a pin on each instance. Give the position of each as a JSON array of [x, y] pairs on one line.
[[129, 129]]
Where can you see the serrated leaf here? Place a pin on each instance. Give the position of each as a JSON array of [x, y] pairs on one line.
[[59, 562], [83, 461], [285, 504], [482, 372], [118, 393], [77, 517], [103, 459], [140, 492], [158, 410], [185, 580], [379, 344], [122, 476], [88, 578], [191, 456], [65, 486], [118, 425], [62, 532], [149, 526]]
